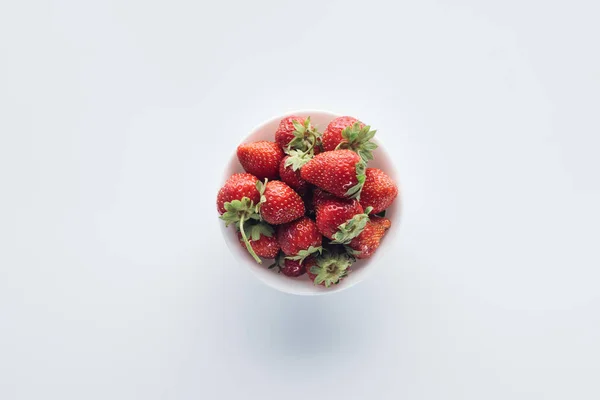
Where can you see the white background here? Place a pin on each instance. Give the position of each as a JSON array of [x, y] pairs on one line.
[[116, 119]]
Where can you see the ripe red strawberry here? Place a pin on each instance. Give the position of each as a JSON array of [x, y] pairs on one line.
[[299, 239], [319, 195], [379, 191], [239, 198], [292, 268], [368, 241], [262, 239], [266, 247], [279, 203], [260, 158], [332, 135], [285, 131], [330, 268], [296, 133], [349, 133], [291, 177], [237, 187], [333, 212], [341, 173]]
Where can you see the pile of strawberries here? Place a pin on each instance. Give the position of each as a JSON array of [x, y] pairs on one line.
[[308, 200]]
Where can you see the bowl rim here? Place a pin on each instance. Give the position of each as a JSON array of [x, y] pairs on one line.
[[391, 234]]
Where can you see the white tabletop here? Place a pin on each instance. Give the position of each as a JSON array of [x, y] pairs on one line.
[[116, 119]]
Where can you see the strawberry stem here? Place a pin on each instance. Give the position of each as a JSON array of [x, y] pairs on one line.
[[248, 246], [312, 145]]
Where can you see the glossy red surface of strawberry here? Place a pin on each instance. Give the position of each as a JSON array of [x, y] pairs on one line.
[[332, 212], [379, 191], [282, 204], [332, 136], [293, 268], [319, 195], [292, 178], [368, 241], [260, 158], [298, 235], [237, 187], [332, 171], [285, 131], [266, 246]]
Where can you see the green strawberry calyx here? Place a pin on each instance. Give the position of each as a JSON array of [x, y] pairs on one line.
[[305, 137], [238, 212], [303, 254], [261, 187], [354, 191], [297, 159], [331, 268], [358, 139], [351, 252], [351, 228], [301, 149], [255, 229]]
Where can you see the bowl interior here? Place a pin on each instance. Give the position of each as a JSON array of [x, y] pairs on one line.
[[302, 285]]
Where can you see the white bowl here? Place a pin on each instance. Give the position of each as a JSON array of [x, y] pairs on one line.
[[302, 285]]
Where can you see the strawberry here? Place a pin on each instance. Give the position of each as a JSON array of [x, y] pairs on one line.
[[299, 239], [365, 244], [333, 212], [237, 201], [349, 133], [330, 268], [295, 268], [238, 212], [320, 195], [237, 187], [292, 177], [301, 141], [292, 268], [279, 203], [341, 173], [379, 191], [296, 133], [261, 238], [260, 158], [332, 135]]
